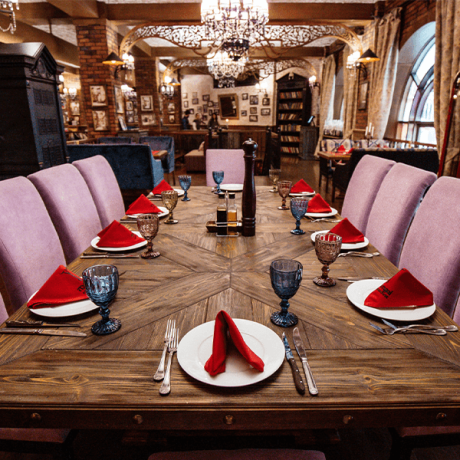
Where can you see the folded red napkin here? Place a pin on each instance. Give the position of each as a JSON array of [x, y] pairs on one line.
[[341, 149], [116, 235], [216, 363], [317, 204], [401, 291], [62, 287], [348, 232], [154, 152], [143, 206], [161, 187], [301, 187]]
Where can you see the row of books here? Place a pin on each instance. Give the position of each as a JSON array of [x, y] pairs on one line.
[[289, 127], [290, 149], [290, 94], [290, 116], [291, 105], [289, 139]]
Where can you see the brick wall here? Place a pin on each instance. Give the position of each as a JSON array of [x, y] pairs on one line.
[[146, 85]]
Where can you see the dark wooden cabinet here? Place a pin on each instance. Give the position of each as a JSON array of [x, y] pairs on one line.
[[32, 135], [293, 110]]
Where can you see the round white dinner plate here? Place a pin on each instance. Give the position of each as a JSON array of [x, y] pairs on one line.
[[126, 248], [195, 348], [318, 215], [231, 187], [358, 291], [164, 212], [68, 309], [303, 194], [179, 191], [345, 246]]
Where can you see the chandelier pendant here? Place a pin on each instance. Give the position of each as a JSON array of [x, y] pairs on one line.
[[7, 7]]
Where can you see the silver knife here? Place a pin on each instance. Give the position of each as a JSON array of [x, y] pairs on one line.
[[361, 278], [306, 367], [38, 324], [111, 256], [300, 386], [21, 330]]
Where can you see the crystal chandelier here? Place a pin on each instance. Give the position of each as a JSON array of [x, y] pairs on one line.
[[7, 7], [222, 67]]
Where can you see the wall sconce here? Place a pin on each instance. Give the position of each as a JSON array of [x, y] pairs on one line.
[[167, 87], [355, 61], [312, 82], [128, 92], [261, 88], [127, 63], [70, 92]]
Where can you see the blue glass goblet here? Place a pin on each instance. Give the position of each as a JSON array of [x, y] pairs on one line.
[[285, 275], [218, 177], [185, 182], [101, 283], [299, 207]]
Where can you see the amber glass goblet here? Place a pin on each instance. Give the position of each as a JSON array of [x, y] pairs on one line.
[[147, 225], [274, 175], [284, 187], [327, 247], [169, 198]]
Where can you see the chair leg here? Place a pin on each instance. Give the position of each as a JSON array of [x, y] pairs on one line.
[[400, 450], [333, 192], [174, 177], [319, 182]]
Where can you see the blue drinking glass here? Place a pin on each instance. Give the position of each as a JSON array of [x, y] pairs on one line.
[[299, 207], [218, 177], [285, 275], [185, 182], [101, 283]]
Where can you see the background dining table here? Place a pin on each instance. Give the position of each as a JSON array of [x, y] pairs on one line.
[[365, 379]]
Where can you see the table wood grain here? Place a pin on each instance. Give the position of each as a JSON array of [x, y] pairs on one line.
[[364, 379]]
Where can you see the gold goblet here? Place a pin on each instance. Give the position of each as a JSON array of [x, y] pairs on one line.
[[169, 198], [284, 187], [147, 225]]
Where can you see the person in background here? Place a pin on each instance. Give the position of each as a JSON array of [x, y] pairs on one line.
[[213, 122], [197, 122], [185, 124]]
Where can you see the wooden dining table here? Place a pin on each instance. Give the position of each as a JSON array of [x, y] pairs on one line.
[[364, 378]]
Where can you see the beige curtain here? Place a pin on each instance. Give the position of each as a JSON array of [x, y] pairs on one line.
[[384, 71], [350, 97], [327, 95], [446, 66]]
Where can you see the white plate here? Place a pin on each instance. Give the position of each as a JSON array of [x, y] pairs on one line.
[[357, 293], [322, 214], [164, 212], [69, 309], [345, 246], [232, 187], [127, 248], [195, 348], [303, 194], [179, 191]]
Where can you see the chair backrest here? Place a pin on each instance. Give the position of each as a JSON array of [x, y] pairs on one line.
[[30, 250], [394, 207], [115, 140], [104, 188], [362, 189], [162, 143], [431, 251], [133, 165], [230, 161], [3, 312], [70, 206]]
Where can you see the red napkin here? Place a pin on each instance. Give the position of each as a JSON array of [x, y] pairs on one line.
[[317, 204], [154, 152], [348, 232], [401, 291], [143, 206], [301, 187], [342, 149], [216, 363], [62, 287], [161, 187], [117, 236]]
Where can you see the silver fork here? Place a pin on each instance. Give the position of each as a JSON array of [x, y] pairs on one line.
[[359, 254], [417, 331], [447, 328], [160, 373], [323, 219], [165, 388]]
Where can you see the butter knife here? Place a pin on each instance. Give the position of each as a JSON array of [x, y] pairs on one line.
[[38, 324], [111, 256], [295, 370], [24, 331], [306, 367]]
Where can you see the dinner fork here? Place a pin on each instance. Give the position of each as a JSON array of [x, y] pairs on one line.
[[165, 388], [160, 373], [447, 328], [417, 331], [359, 254], [323, 219]]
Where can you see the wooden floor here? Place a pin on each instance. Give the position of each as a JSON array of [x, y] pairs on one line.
[[370, 444]]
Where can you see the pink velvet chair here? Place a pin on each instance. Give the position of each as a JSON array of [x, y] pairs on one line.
[[230, 161], [394, 207], [3, 312], [104, 188], [362, 189], [70, 206], [241, 454], [30, 250]]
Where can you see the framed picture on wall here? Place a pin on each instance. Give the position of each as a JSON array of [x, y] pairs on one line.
[[266, 101], [194, 95], [118, 99], [204, 118], [75, 108], [244, 113], [185, 104], [171, 107], [147, 103], [210, 104], [172, 119], [98, 95], [254, 118], [130, 113], [129, 105], [122, 122], [253, 110], [148, 119], [265, 112], [184, 95], [205, 97], [205, 109], [362, 102], [195, 101], [244, 97], [100, 120], [192, 111], [254, 100], [130, 118]]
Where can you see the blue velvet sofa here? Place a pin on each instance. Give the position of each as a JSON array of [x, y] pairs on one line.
[[162, 143], [133, 164]]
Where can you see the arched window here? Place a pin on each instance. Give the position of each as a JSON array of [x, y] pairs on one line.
[[416, 117]]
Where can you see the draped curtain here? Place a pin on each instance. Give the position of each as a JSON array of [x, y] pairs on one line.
[[327, 95], [350, 97], [384, 71], [446, 66]]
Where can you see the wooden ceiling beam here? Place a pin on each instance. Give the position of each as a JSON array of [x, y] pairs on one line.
[[80, 9]]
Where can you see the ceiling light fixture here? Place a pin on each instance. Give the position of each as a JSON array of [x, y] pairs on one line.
[[222, 67], [7, 7]]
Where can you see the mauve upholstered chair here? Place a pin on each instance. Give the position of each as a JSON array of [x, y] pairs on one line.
[[431, 251], [241, 454], [70, 206], [230, 161], [104, 188], [3, 312], [394, 207], [30, 250], [362, 189]]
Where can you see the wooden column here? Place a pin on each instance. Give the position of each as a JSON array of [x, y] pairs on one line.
[[249, 189]]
